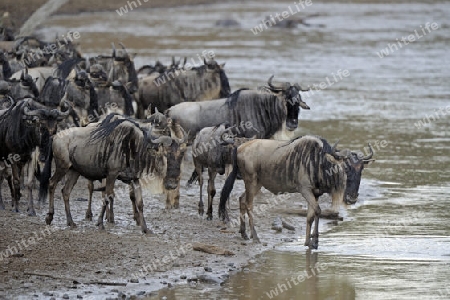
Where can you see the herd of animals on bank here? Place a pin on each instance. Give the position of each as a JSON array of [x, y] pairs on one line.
[[65, 116]]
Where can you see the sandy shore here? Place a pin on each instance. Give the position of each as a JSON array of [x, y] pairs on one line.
[[21, 10]]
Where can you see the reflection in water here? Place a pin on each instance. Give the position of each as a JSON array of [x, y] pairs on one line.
[[279, 275]]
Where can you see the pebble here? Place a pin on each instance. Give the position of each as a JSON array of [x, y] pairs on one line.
[[140, 293], [252, 261], [183, 277], [230, 264], [65, 296], [164, 298], [169, 285], [134, 280], [121, 295], [79, 297], [114, 291], [208, 269], [246, 270], [52, 298]]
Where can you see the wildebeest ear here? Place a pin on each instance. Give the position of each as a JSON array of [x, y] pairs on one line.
[[222, 65], [36, 79]]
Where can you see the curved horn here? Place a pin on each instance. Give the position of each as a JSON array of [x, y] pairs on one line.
[[11, 104], [269, 83], [65, 113], [123, 47], [164, 139], [370, 155], [333, 149], [22, 76], [114, 50], [300, 88], [31, 113]]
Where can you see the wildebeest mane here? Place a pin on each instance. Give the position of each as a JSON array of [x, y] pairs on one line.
[[265, 112], [107, 126], [224, 85], [15, 132], [310, 153], [52, 92]]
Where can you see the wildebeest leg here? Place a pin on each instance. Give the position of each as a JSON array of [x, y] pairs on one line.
[[242, 211], [173, 198], [201, 211], [16, 187], [2, 205], [315, 235], [133, 204], [140, 205], [109, 194], [91, 192], [71, 180], [211, 191], [29, 171], [251, 190], [59, 174], [312, 215]]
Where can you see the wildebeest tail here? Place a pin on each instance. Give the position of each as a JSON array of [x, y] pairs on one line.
[[194, 178], [228, 187], [45, 174]]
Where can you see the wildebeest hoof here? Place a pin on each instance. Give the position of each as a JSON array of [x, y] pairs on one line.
[[48, 219], [245, 236], [72, 225], [256, 240], [148, 232], [31, 213], [209, 218], [101, 226], [89, 217], [314, 245], [2, 206]]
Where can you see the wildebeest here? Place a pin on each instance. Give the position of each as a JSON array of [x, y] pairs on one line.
[[258, 113], [212, 149], [160, 126], [307, 165], [20, 134], [163, 90], [6, 71], [24, 87], [117, 148], [119, 66]]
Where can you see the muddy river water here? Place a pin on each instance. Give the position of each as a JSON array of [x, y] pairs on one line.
[[382, 72]]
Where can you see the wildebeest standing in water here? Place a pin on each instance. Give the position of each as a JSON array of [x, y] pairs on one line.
[[117, 148], [163, 90], [307, 165], [259, 113], [212, 149], [20, 135]]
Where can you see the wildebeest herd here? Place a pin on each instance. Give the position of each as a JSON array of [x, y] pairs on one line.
[[65, 116]]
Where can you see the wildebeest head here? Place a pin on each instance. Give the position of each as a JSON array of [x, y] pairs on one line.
[[47, 119], [225, 89], [158, 120], [354, 164], [175, 153], [126, 63], [291, 94]]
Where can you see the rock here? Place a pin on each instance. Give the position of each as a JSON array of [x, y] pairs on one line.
[[169, 285], [27, 285], [252, 261], [134, 280], [140, 293], [176, 265], [65, 296], [230, 264], [194, 278], [183, 277], [277, 224], [79, 297], [47, 294], [36, 296], [208, 269], [52, 298], [206, 278], [121, 295], [164, 298], [114, 291], [165, 276], [246, 270]]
